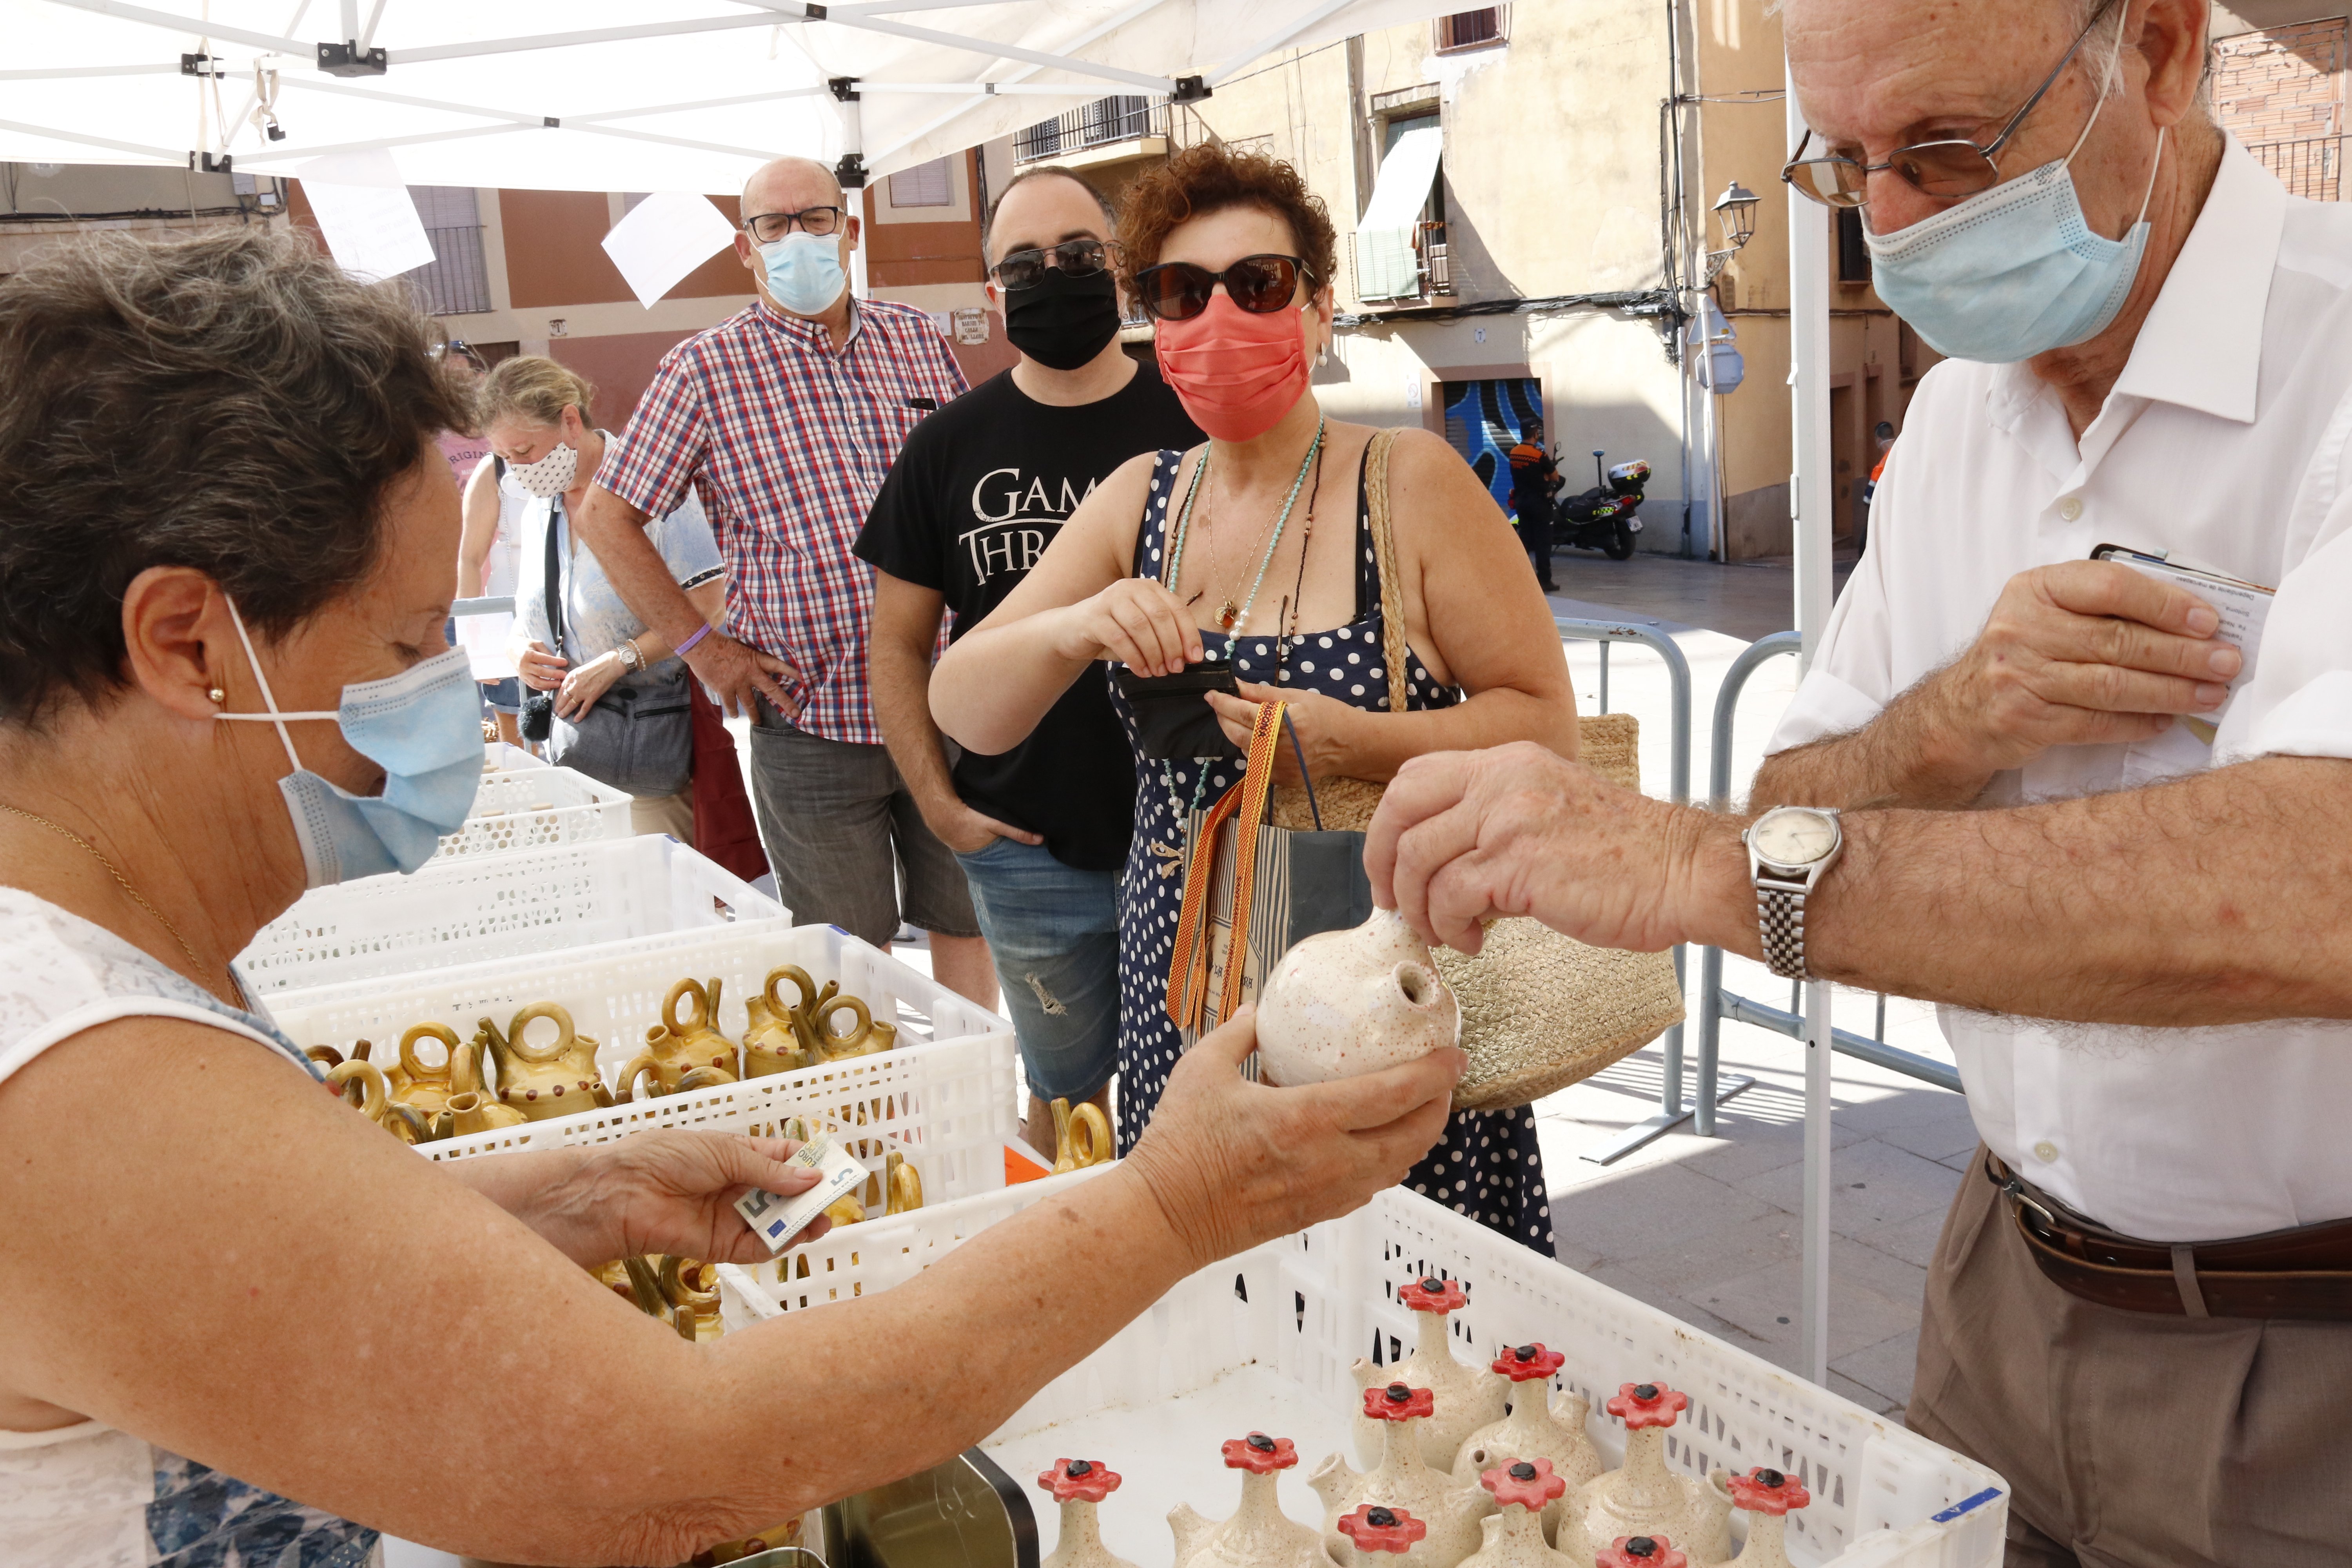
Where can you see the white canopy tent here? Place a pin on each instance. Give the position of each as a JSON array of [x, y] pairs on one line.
[[607, 94]]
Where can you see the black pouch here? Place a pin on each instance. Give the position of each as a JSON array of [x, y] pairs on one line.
[[1172, 717], [537, 722]]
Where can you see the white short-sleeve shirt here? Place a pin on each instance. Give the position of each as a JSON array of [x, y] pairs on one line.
[[2227, 442]]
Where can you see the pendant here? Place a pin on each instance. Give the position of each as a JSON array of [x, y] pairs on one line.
[[1227, 614]]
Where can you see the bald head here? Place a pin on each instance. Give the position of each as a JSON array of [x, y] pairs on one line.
[[788, 185]]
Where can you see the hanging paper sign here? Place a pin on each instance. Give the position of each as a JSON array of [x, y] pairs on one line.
[[364, 213], [663, 238], [971, 325]]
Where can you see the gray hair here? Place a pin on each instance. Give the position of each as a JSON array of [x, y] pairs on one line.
[[231, 401], [1043, 171]]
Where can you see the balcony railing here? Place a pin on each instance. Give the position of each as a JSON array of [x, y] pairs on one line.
[[1381, 280], [2312, 167], [1122, 117]]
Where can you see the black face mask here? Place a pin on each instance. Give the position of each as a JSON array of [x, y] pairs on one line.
[[1063, 322]]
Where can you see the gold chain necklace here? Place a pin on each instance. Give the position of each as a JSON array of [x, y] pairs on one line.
[[124, 882]]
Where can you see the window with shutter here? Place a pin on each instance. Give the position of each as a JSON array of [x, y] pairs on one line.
[[928, 185]]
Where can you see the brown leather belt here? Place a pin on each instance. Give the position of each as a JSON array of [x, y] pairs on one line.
[[2304, 1272]]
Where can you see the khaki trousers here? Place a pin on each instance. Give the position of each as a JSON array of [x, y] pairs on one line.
[[2130, 1440], [670, 814]]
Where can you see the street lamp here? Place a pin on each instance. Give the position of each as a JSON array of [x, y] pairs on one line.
[[1734, 210]]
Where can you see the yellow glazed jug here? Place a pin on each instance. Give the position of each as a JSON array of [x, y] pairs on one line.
[[404, 1122], [1081, 1136], [813, 1017], [550, 1080], [674, 1049], [770, 1041], [471, 1110], [412, 1082]]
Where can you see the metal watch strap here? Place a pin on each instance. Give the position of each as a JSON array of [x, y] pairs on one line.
[[1781, 916]]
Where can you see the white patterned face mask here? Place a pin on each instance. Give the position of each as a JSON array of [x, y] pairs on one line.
[[551, 475]]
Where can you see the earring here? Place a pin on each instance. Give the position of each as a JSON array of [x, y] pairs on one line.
[[217, 695], [1323, 356]]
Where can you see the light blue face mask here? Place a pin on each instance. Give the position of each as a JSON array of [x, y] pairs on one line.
[[804, 272], [2014, 271], [424, 728]]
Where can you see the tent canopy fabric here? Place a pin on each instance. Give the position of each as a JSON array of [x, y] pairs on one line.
[[604, 95]]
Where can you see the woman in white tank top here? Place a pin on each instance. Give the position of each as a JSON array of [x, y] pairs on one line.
[[238, 1324]]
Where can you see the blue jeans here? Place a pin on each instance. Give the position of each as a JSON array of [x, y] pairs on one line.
[[1054, 933]]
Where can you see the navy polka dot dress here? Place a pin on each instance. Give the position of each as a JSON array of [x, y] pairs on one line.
[[1486, 1165]]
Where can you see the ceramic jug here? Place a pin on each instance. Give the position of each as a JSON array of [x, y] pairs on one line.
[[902, 1185], [325, 1056], [1640, 1551], [677, 1047], [770, 1044], [1535, 1429], [1766, 1496], [549, 1080], [768, 1540], [413, 1082], [1403, 1479], [1375, 1532], [692, 1291], [1349, 1002], [1078, 1485], [1644, 1497], [1081, 1136], [1259, 1534], [813, 1014], [1468, 1399], [472, 1110], [1523, 1491], [375, 1101]]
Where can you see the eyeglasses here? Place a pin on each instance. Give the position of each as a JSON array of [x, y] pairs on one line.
[[1077, 258], [1178, 290], [768, 227], [1946, 169]]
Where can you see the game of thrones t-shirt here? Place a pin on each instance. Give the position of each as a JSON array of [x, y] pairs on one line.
[[979, 490]]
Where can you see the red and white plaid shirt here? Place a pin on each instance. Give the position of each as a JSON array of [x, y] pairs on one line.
[[787, 441]]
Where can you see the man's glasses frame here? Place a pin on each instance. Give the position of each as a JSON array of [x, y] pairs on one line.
[[1947, 169], [1077, 259], [1260, 284], [766, 229]]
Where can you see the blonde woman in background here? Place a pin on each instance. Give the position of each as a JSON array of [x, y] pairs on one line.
[[622, 696]]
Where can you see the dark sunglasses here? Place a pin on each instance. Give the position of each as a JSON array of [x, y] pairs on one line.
[[1077, 258], [1946, 170], [1178, 290]]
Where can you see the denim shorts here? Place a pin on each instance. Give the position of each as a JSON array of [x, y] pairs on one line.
[[1054, 933], [503, 696]]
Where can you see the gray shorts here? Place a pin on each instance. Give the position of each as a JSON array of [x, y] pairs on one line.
[[840, 827]]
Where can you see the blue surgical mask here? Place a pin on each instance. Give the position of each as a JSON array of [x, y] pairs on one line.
[[804, 272], [424, 728], [2014, 271]]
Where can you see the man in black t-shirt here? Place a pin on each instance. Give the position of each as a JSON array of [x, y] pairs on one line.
[[978, 492]]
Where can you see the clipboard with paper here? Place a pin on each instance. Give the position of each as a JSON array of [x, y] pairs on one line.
[[2244, 608]]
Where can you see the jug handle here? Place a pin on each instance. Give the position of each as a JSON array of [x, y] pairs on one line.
[[465, 1069], [325, 1056], [842, 1044], [564, 1036], [417, 1071], [372, 1091], [801, 982], [704, 1008], [636, 1066], [1081, 1136], [904, 1183]]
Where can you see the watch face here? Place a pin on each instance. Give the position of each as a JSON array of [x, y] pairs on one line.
[[1792, 836]]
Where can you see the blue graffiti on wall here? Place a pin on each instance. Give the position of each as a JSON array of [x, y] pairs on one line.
[[1483, 422]]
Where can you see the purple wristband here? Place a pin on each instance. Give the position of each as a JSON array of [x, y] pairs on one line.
[[686, 646]]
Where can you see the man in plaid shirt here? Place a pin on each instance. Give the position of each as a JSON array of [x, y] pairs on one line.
[[785, 418]]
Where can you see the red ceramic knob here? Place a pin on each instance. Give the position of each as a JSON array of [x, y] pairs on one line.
[[1528, 1363], [1647, 1404], [1395, 1402], [1764, 1491], [1376, 1528], [1640, 1551], [1088, 1480], [1431, 1294], [1527, 1482], [1260, 1455]]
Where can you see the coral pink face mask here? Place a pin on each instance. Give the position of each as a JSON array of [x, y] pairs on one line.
[[1236, 373]]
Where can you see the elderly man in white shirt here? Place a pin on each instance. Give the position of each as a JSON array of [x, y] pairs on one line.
[[2071, 810]]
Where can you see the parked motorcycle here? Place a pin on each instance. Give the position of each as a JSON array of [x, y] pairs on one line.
[[1606, 517]]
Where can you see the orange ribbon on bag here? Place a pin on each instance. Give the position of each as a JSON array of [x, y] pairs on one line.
[[1244, 806]]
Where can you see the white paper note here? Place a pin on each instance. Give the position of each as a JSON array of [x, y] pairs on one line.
[[663, 238], [364, 211]]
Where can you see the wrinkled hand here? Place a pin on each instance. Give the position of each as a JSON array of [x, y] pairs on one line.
[[584, 686], [1467, 837], [1323, 723], [968, 832], [1135, 622], [2081, 653], [540, 667], [1234, 1164], [673, 1193], [738, 675]]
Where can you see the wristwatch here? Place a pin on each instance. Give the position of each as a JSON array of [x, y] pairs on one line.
[[631, 657], [1790, 849]]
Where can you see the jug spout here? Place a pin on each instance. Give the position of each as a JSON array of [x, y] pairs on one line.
[[1191, 1530], [1332, 1480]]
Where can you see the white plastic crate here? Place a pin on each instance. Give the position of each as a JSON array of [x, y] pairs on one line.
[[517, 807], [481, 907], [614, 994], [498, 756], [1265, 1342]]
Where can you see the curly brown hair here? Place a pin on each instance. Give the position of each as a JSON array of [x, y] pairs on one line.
[[1209, 177]]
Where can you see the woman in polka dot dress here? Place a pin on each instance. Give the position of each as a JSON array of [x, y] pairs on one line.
[[1244, 550]]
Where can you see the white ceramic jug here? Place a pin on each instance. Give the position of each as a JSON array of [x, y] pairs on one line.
[[1535, 1429], [1349, 1002], [1766, 1496], [1078, 1485], [1523, 1490], [1259, 1534], [1402, 1481], [1466, 1399], [1646, 1499]]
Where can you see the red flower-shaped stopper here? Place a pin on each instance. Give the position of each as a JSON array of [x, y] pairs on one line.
[[1640, 1551], [1767, 1490], [1647, 1404], [1397, 1403], [1088, 1480], [1527, 1482], [1259, 1454], [1528, 1363], [1431, 1294], [1376, 1528]]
